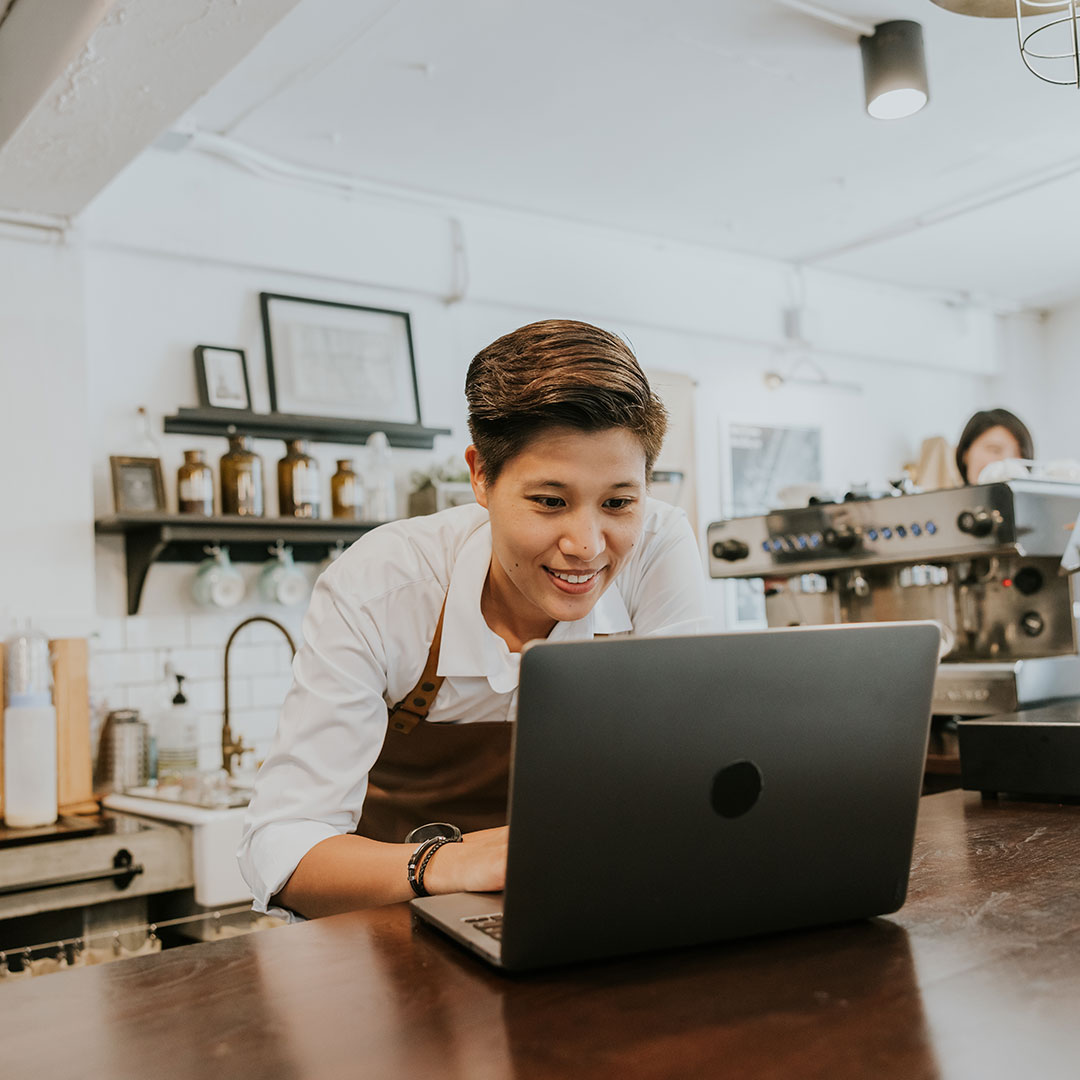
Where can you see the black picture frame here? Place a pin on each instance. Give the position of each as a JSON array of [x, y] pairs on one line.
[[358, 362], [219, 372], [138, 485]]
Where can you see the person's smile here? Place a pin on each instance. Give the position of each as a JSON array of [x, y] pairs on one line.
[[575, 582]]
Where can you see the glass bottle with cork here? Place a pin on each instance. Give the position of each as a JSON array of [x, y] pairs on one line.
[[241, 478], [346, 492], [298, 481]]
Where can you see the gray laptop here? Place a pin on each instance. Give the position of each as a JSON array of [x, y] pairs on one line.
[[672, 791]]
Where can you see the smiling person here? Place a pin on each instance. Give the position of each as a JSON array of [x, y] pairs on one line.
[[402, 694]]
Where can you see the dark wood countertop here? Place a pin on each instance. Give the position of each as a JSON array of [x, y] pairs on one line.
[[977, 976]]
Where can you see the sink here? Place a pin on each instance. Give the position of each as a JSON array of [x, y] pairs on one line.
[[215, 836], [175, 795]]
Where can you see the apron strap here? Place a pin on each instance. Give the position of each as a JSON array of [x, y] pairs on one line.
[[416, 704]]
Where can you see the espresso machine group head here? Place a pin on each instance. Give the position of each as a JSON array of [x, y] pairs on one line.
[[983, 561]]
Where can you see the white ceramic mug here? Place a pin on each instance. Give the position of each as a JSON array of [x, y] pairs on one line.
[[281, 581], [217, 582]]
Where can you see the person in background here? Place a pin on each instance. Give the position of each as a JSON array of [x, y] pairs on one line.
[[396, 722], [991, 435]]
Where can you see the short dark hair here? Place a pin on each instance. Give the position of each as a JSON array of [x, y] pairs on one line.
[[983, 421], [558, 373]]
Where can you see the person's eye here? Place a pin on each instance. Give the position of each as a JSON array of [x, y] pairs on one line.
[[619, 504], [548, 502]]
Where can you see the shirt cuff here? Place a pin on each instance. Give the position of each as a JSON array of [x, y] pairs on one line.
[[270, 855]]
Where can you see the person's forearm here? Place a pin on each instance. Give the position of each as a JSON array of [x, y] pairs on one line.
[[343, 873]]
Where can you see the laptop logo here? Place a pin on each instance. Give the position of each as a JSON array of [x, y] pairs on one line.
[[736, 788]]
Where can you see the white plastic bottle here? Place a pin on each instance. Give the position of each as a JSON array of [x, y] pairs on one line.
[[177, 738], [29, 733]]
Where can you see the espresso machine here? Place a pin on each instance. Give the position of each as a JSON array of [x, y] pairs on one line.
[[983, 561]]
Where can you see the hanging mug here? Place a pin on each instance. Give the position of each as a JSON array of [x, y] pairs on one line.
[[217, 582], [280, 580], [332, 555]]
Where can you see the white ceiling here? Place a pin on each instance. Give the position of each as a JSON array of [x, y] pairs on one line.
[[732, 123]]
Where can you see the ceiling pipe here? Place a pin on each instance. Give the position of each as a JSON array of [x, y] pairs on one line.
[[834, 18]]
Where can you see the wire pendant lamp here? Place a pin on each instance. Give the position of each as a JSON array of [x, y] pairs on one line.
[[1050, 50], [1047, 32]]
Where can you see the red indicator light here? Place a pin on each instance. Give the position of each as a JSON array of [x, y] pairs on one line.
[[1007, 582]]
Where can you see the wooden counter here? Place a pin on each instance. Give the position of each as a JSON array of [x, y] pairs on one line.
[[977, 976]]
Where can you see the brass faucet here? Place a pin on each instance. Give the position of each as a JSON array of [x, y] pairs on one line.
[[231, 749]]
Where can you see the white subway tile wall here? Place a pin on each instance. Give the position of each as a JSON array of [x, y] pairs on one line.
[[128, 658]]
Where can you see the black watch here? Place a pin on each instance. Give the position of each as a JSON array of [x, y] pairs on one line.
[[432, 830]]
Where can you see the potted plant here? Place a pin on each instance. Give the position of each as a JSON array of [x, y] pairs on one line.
[[441, 486]]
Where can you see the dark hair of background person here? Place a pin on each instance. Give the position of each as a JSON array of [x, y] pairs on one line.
[[983, 421], [558, 373]]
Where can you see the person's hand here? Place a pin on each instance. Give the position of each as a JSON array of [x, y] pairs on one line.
[[477, 864]]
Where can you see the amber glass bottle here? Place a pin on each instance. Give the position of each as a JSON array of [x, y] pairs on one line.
[[241, 479], [298, 481], [195, 485], [346, 492]]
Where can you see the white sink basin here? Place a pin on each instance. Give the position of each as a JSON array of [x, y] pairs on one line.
[[215, 836]]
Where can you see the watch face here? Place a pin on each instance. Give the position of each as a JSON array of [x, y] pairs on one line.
[[429, 832]]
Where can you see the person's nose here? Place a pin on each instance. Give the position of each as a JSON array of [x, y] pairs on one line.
[[583, 537]]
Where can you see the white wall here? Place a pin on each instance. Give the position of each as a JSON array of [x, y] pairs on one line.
[[1059, 383], [46, 513]]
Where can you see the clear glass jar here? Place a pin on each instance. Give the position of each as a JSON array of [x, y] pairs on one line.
[[195, 485], [346, 492], [241, 479], [381, 494], [298, 481]]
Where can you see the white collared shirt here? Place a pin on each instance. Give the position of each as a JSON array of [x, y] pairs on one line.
[[366, 638]]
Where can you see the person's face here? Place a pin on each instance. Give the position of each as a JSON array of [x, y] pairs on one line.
[[994, 444], [566, 512]]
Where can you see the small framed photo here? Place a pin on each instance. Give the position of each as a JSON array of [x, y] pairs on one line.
[[138, 486], [222, 378], [325, 358]]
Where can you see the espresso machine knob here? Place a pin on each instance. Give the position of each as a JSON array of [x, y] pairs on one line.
[[1029, 580], [1032, 623], [843, 539], [730, 550], [975, 522]]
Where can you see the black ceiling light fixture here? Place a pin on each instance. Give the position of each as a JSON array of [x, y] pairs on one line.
[[894, 63], [894, 69]]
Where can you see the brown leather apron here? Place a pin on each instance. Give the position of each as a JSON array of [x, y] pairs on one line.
[[435, 772]]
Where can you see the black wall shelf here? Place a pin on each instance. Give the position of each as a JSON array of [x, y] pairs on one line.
[[150, 538], [288, 426]]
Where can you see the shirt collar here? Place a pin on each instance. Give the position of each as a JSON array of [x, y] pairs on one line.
[[471, 648]]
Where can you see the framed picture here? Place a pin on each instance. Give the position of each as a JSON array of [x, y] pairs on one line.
[[329, 359], [138, 487], [222, 377]]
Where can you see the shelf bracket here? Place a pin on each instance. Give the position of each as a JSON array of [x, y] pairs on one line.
[[141, 549]]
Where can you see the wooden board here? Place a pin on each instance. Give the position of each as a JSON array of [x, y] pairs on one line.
[[72, 698], [3, 705]]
